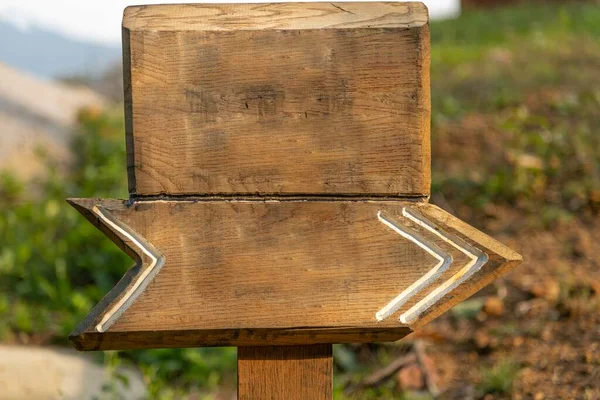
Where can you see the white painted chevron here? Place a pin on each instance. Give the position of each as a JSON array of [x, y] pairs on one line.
[[478, 260], [141, 280], [444, 261]]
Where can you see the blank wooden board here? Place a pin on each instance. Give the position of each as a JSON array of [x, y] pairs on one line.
[[279, 272], [288, 98]]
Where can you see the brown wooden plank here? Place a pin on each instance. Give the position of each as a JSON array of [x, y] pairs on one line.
[[291, 98], [297, 271], [285, 372], [130, 340], [275, 16]]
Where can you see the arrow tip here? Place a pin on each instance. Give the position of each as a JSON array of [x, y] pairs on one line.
[[81, 205]]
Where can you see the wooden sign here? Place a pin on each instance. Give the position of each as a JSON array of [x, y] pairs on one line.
[[245, 272], [283, 98], [279, 172]]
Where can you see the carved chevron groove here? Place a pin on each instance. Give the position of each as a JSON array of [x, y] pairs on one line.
[[444, 261], [340, 271], [142, 280], [478, 260]]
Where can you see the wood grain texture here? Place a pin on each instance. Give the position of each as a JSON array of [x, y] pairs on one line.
[[297, 271], [131, 340], [285, 372], [275, 16], [304, 98]]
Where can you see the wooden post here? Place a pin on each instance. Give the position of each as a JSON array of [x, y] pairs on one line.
[[285, 372], [279, 176]]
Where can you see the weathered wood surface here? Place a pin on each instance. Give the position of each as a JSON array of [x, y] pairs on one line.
[[296, 98], [278, 160], [275, 16], [113, 340], [285, 372], [281, 272]]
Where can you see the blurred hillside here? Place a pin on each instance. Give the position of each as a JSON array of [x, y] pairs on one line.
[[516, 153], [38, 116], [47, 54]]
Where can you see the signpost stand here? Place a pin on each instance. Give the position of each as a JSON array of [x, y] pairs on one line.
[[285, 372], [279, 175]]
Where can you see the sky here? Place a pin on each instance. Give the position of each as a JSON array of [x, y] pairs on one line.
[[100, 21]]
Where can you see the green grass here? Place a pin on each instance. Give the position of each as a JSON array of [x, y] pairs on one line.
[[54, 265], [515, 93], [467, 39], [499, 378], [515, 98]]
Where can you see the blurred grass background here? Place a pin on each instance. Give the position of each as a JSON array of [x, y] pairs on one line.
[[516, 153]]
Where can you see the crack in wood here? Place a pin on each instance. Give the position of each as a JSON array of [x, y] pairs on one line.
[[266, 197]]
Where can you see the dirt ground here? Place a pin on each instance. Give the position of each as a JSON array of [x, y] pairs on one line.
[[542, 321], [544, 317]]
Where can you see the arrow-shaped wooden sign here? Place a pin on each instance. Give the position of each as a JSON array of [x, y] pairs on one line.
[[279, 171], [240, 272]]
